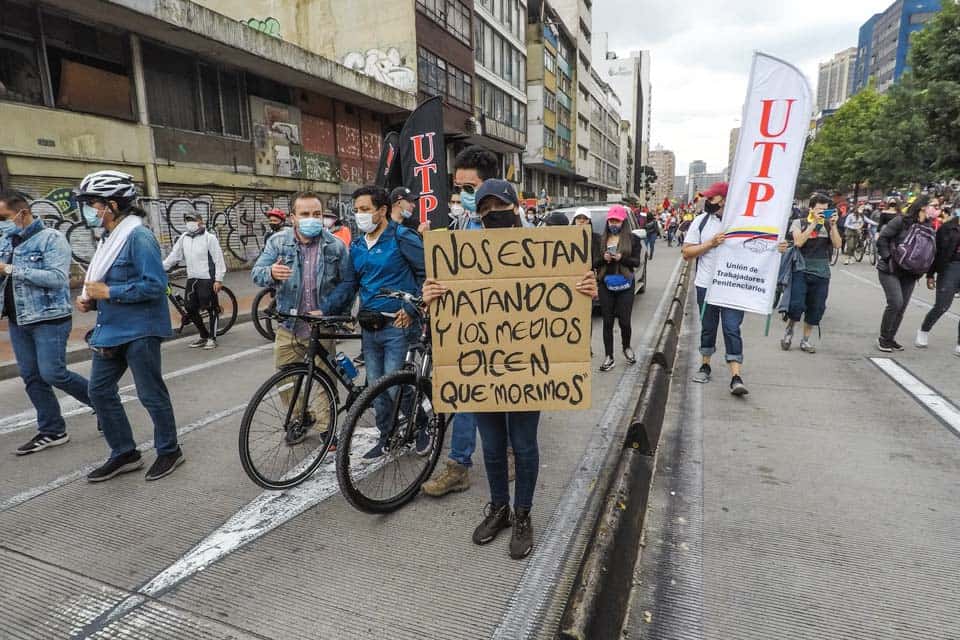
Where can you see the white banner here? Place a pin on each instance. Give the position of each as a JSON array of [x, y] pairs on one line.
[[776, 119]]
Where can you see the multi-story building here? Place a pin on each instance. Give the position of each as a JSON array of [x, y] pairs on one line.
[[697, 183], [630, 79], [732, 151], [885, 41], [603, 168], [680, 189], [835, 80], [209, 114], [697, 166], [550, 160], [664, 163]]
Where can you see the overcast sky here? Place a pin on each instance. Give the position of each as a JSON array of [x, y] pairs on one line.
[[701, 52]]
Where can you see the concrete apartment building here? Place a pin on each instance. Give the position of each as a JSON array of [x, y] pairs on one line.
[[835, 80], [550, 160], [209, 113], [680, 189], [884, 42], [664, 163], [732, 151]]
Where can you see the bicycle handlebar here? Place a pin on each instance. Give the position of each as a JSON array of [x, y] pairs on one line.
[[403, 296], [325, 320]]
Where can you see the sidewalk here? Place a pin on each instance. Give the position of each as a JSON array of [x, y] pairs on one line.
[[237, 281]]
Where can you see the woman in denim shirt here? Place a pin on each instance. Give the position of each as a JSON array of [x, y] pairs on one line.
[[132, 320]]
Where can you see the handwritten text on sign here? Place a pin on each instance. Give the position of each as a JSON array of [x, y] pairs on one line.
[[512, 333]]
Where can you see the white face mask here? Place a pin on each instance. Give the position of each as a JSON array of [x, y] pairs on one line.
[[365, 222], [193, 227], [329, 222], [456, 210]]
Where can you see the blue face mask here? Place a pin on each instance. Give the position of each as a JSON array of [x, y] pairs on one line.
[[90, 216], [469, 201], [7, 227], [614, 231], [310, 227]]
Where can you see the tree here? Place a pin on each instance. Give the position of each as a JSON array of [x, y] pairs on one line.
[[841, 155], [935, 79], [902, 151], [648, 178]]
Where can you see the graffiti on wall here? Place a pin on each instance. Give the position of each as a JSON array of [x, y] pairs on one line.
[[276, 138], [384, 66], [269, 26]]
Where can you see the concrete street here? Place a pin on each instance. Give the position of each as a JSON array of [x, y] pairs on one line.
[[822, 505], [206, 554]]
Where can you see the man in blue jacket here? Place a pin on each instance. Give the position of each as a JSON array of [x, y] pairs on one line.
[[126, 285], [385, 256], [312, 274], [35, 299]]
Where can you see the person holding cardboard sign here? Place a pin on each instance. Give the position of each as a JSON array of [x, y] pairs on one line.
[[497, 202], [622, 254]]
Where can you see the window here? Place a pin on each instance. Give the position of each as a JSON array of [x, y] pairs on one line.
[[563, 81], [563, 116], [549, 63], [564, 148], [450, 14], [549, 138], [581, 152], [549, 100], [582, 121], [438, 78], [19, 72], [478, 26]]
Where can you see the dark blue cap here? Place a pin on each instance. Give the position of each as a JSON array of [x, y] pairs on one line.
[[499, 189]]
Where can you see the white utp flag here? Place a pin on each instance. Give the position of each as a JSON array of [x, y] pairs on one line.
[[776, 119]]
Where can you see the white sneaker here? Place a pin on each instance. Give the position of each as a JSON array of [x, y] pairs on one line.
[[923, 339], [956, 351], [211, 344]]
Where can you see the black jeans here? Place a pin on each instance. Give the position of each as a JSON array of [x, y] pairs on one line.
[[616, 305], [200, 296], [948, 283], [898, 287]]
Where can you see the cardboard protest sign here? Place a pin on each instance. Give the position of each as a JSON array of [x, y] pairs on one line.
[[512, 333]]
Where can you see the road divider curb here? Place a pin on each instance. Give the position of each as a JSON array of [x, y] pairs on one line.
[[598, 601]]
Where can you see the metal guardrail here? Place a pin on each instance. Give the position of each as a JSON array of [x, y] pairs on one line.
[[598, 601]]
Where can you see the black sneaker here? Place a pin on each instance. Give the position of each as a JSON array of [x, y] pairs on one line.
[[375, 452], [423, 441], [737, 387], [198, 343], [703, 375], [165, 464], [40, 442], [884, 345], [896, 345], [495, 519], [130, 461], [521, 541]]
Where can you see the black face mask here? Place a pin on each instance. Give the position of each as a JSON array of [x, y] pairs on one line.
[[500, 219], [276, 227], [711, 207]]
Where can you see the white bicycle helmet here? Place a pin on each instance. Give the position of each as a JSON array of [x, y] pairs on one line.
[[108, 185]]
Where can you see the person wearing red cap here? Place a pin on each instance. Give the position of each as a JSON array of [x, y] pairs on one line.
[[275, 219], [704, 235], [622, 254]]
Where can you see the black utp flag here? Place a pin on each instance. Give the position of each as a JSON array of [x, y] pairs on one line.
[[423, 160]]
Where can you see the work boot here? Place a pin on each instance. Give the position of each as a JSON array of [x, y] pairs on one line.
[[454, 477], [496, 518], [521, 540]]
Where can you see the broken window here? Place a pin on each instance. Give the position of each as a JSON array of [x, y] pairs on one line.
[[89, 67], [20, 78]]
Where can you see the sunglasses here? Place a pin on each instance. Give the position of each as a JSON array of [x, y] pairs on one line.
[[467, 188]]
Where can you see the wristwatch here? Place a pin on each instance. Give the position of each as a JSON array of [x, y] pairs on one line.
[[8, 269]]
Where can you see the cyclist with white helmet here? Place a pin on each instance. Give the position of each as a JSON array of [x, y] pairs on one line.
[[126, 285]]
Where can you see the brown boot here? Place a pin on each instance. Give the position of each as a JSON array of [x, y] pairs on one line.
[[454, 477]]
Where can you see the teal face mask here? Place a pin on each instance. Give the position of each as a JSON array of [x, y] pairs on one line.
[[469, 201], [90, 216], [310, 227]]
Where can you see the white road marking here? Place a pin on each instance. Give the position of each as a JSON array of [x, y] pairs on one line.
[[265, 513], [28, 419], [24, 496], [939, 406], [541, 575], [913, 300]]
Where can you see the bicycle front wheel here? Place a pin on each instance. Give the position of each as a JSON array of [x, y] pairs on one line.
[[264, 302], [835, 256], [287, 429], [873, 253], [858, 252], [411, 441]]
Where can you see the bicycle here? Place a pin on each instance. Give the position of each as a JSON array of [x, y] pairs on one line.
[[296, 410], [410, 411], [226, 307], [869, 242], [264, 306]]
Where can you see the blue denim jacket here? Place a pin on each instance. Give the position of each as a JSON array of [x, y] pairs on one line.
[[335, 279], [395, 262], [41, 273], [137, 307]]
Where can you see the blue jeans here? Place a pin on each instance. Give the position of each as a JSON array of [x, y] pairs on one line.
[[463, 438], [520, 428], [143, 357], [41, 352], [384, 352], [711, 318], [808, 298], [651, 243]]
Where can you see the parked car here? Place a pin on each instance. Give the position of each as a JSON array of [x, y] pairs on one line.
[[598, 218]]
